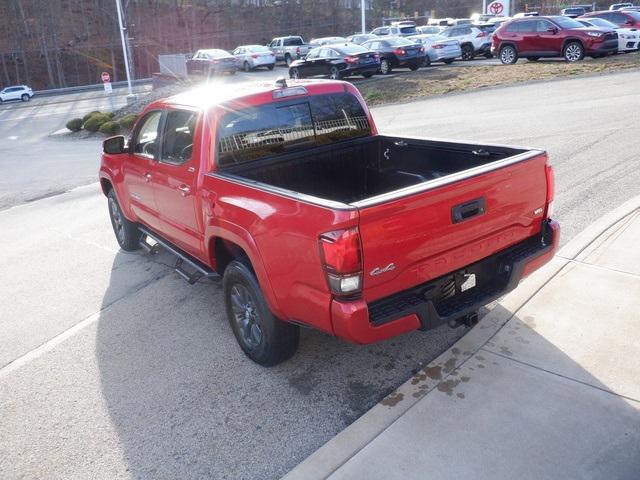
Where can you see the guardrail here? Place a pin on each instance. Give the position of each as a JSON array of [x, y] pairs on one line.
[[87, 88]]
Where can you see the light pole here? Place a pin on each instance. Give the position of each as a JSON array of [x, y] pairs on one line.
[[484, 6], [362, 16], [131, 97]]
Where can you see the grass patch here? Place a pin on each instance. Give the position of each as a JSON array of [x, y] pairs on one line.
[[433, 81]]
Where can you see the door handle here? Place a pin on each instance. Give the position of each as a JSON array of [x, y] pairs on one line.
[[184, 190], [147, 177]]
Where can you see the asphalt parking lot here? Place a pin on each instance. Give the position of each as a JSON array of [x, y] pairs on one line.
[[113, 367]]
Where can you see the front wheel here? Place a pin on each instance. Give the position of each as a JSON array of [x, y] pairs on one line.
[[488, 56], [246, 67], [508, 55], [573, 52], [270, 67], [385, 67], [448, 61], [426, 62], [334, 73], [288, 60], [263, 338], [294, 73], [127, 232]]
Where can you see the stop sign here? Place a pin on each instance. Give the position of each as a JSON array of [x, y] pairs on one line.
[[106, 77]]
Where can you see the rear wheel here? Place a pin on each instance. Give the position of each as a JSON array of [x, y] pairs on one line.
[[573, 52], [488, 55], [288, 59], [467, 52], [508, 55], [263, 338], [127, 232], [385, 67], [426, 62], [246, 67], [334, 73], [270, 67], [448, 61], [414, 67], [367, 75], [25, 97]]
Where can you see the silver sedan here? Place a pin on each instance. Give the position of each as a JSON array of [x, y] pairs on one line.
[[249, 57]]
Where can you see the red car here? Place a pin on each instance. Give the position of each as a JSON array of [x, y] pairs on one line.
[[622, 18], [537, 37], [314, 219]]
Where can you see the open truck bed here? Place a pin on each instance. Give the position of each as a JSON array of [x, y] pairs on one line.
[[361, 170]]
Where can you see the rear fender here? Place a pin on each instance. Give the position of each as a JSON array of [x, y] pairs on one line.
[[241, 237]]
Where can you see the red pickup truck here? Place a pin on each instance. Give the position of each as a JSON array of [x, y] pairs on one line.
[[314, 219]]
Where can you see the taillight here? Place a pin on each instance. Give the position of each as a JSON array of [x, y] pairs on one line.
[[351, 59], [551, 185], [400, 51], [481, 34], [298, 50], [254, 55], [436, 45], [342, 261]]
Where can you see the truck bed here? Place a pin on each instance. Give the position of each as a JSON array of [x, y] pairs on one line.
[[361, 169]]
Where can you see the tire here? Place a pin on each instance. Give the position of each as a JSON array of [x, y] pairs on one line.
[[533, 59], [334, 73], [270, 67], [508, 55], [367, 75], [25, 97], [426, 62], [127, 233], [467, 52], [232, 72], [385, 67], [294, 73], [573, 52], [448, 61], [488, 56], [413, 68], [246, 67], [287, 59], [262, 337]]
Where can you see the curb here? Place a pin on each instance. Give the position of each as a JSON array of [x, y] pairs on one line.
[[336, 452]]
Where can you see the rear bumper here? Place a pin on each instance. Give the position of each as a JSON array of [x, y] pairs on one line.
[[409, 310]]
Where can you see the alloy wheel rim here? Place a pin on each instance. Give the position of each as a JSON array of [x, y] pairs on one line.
[[466, 55], [384, 66], [117, 220], [507, 55], [573, 53], [295, 73], [245, 314], [334, 74]]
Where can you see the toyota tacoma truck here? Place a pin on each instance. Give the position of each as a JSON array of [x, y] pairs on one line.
[[312, 218]]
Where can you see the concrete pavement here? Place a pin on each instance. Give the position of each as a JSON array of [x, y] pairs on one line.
[[546, 386]]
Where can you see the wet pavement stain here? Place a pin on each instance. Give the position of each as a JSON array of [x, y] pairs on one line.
[[465, 378], [506, 351], [460, 395], [480, 365], [480, 357], [455, 351], [449, 365], [447, 386], [393, 399]]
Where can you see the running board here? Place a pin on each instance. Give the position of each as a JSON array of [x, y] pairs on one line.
[[184, 259]]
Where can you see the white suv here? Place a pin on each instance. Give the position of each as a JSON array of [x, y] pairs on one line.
[[19, 92], [474, 39]]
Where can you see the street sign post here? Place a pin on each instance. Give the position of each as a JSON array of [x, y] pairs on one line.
[[106, 79]]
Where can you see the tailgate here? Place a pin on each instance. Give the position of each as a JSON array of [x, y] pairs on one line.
[[411, 239]]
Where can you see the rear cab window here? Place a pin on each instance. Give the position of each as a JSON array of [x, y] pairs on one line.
[[276, 128]]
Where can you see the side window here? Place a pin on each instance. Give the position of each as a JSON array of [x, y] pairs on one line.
[[177, 139], [542, 26], [619, 18], [466, 31], [145, 142], [313, 54], [324, 53], [263, 131], [527, 26]]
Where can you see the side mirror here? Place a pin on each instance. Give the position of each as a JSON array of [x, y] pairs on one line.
[[114, 145], [552, 30]]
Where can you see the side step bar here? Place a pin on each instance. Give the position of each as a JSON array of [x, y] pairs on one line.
[[184, 259]]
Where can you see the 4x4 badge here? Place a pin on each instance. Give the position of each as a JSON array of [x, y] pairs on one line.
[[379, 271]]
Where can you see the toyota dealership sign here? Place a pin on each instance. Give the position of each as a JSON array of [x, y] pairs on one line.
[[499, 7]]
